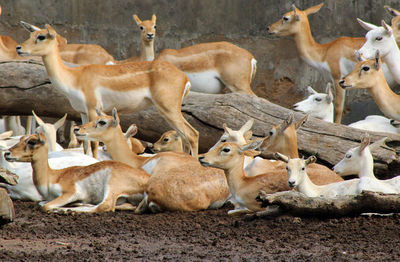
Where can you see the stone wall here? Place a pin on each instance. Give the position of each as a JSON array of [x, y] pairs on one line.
[[281, 75]]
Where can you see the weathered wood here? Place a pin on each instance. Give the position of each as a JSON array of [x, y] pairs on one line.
[[8, 177], [7, 213], [24, 87], [297, 204]]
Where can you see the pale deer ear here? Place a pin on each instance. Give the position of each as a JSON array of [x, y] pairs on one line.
[[364, 142], [301, 121], [51, 32], [252, 145], [247, 135], [365, 25], [132, 131], [387, 27], [247, 126], [313, 9], [38, 119], [311, 91], [252, 153], [391, 11], [282, 157], [29, 27], [115, 120], [60, 122], [137, 20], [286, 123], [295, 15], [154, 19], [226, 128], [377, 144], [358, 56], [310, 160], [6, 135], [329, 97]]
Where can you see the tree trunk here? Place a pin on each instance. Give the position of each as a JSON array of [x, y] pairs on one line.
[[297, 204], [25, 86]]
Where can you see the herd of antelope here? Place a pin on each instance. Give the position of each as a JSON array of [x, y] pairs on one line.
[[120, 176]]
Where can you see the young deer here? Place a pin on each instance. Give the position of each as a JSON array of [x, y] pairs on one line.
[[359, 161], [103, 184], [148, 34], [130, 87], [178, 181], [169, 141], [298, 178], [211, 66], [395, 23], [368, 74], [334, 59], [50, 130]]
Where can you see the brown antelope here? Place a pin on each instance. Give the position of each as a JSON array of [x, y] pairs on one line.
[[368, 75], [148, 34], [103, 184], [7, 48], [395, 22], [130, 87], [134, 144], [178, 181], [169, 141], [334, 59], [211, 66]]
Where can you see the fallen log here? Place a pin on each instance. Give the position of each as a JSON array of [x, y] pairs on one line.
[[8, 177], [25, 86], [297, 204]]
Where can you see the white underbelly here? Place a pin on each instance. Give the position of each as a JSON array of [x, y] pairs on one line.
[[75, 96], [205, 82], [125, 102]]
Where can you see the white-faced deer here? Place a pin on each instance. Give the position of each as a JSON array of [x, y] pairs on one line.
[[334, 59], [148, 34], [103, 184], [130, 87], [211, 66]]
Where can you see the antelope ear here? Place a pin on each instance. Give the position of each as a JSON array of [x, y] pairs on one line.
[[115, 121], [51, 32], [358, 56], [60, 122], [328, 90], [313, 9], [226, 128], [286, 123], [252, 153], [42, 140], [247, 136], [252, 145], [365, 25], [301, 121], [132, 131], [247, 126], [282, 157], [137, 20], [99, 113], [377, 62], [295, 15], [311, 91], [364, 142], [153, 18], [29, 27], [6, 135], [310, 160], [387, 27], [38, 119], [377, 144]]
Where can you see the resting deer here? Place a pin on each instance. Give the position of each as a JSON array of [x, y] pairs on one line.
[[368, 75], [50, 130], [334, 59], [298, 178], [211, 66], [359, 161], [320, 105], [178, 181], [148, 34], [102, 184], [169, 141], [129, 87]]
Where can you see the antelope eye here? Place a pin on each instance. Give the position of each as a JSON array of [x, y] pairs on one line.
[[287, 168], [303, 168], [271, 133], [41, 37], [348, 155], [226, 150], [155, 27], [378, 38], [223, 140], [285, 18], [141, 28], [166, 139], [102, 123], [365, 68], [318, 99], [31, 142]]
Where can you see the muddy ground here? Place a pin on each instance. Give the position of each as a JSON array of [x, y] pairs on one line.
[[207, 235]]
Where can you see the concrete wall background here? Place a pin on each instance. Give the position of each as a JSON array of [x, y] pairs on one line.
[[281, 75]]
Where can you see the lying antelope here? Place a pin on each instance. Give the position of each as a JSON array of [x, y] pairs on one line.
[[211, 66], [148, 34], [130, 87], [334, 59], [359, 161], [169, 141], [320, 105], [50, 130], [103, 184], [177, 182], [298, 178], [368, 75]]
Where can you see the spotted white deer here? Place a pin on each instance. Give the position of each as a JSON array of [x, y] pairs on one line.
[[130, 87], [177, 182], [106, 185], [334, 59], [359, 160]]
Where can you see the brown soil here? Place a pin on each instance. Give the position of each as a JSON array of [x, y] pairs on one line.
[[207, 235]]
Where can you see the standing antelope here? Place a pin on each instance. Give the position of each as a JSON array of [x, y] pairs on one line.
[[368, 74], [334, 59], [395, 22], [103, 184], [148, 34], [177, 182], [211, 66], [130, 87]]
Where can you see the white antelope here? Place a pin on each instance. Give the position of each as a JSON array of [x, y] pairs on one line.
[[298, 178], [130, 87], [211, 66], [368, 75], [50, 131], [177, 182], [148, 34], [320, 105], [381, 39], [358, 160], [106, 185], [334, 59]]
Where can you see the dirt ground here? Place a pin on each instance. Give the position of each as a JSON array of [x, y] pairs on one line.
[[208, 235]]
